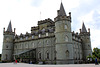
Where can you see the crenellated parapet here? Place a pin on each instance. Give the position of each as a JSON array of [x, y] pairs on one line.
[[76, 37], [45, 21], [35, 35], [85, 33], [68, 18], [8, 32]]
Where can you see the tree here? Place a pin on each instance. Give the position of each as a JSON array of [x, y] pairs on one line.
[[96, 53]]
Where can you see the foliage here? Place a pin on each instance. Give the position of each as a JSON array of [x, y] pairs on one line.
[[95, 54]]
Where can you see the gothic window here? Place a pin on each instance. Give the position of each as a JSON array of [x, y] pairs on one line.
[[66, 38], [67, 53], [39, 55], [47, 55], [65, 26]]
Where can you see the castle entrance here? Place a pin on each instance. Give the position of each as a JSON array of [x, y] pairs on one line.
[[26, 56]]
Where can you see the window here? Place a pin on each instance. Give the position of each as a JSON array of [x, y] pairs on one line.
[[47, 55], [65, 26], [26, 45], [26, 37], [47, 42], [32, 36], [39, 35], [21, 38], [32, 45], [66, 38], [6, 56], [67, 53], [39, 55], [46, 34], [39, 43], [6, 46]]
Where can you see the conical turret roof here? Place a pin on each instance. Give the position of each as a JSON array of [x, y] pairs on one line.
[[83, 28], [62, 10], [9, 27]]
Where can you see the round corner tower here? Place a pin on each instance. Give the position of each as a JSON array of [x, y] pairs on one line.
[[7, 49], [63, 34], [86, 42]]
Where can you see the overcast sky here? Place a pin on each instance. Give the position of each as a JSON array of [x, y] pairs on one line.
[[26, 13]]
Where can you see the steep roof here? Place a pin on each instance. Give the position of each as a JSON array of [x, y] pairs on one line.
[[9, 27], [83, 28], [62, 10]]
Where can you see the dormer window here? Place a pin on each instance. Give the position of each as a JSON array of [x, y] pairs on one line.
[[21, 38], [46, 34], [26, 37], [32, 36]]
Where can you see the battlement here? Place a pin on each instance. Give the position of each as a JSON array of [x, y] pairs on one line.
[[85, 33], [58, 18], [45, 21], [8, 32], [35, 35], [76, 36]]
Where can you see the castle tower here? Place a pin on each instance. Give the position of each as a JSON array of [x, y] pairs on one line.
[[7, 51], [86, 42], [63, 47]]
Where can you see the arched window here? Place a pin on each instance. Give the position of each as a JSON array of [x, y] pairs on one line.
[[66, 38], [67, 53], [39, 55], [47, 55]]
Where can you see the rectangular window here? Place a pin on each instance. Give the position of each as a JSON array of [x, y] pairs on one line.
[[46, 34]]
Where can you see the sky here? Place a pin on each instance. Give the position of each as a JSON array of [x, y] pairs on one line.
[[26, 13]]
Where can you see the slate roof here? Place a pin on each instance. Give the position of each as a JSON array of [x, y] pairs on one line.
[[83, 28], [62, 10], [9, 27]]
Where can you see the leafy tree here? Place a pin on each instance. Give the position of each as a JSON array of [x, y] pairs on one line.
[[96, 53]]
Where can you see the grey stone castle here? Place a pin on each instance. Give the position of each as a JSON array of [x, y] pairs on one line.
[[50, 42]]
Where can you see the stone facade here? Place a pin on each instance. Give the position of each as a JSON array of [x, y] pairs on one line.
[[53, 41]]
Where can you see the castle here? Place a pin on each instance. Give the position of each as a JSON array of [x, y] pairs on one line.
[[50, 42]]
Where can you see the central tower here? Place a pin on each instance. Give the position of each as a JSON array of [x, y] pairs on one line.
[[63, 34]]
